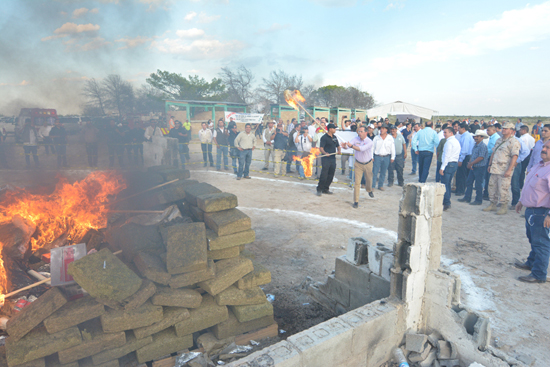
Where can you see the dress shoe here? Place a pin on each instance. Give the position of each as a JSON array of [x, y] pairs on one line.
[[264, 169], [523, 266], [390, 185], [412, 173], [318, 193], [328, 192], [371, 194], [381, 189], [476, 203], [238, 178], [355, 205], [531, 279], [446, 207], [464, 200], [247, 177]]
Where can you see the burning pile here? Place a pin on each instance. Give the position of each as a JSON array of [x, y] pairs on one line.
[[307, 162], [181, 272]]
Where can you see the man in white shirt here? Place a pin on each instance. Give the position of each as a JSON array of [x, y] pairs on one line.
[[449, 164], [268, 143], [152, 130], [44, 136], [205, 136], [384, 154]]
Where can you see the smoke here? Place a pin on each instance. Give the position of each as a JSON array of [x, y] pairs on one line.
[[41, 45]]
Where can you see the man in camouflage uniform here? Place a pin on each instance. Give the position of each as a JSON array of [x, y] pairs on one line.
[[501, 166]]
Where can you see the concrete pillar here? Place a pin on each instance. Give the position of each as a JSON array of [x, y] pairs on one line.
[[418, 247], [161, 151]]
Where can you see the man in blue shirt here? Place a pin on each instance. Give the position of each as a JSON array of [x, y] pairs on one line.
[[466, 146], [477, 168], [516, 187], [424, 143]]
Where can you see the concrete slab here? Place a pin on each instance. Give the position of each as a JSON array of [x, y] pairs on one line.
[[282, 354], [337, 290]]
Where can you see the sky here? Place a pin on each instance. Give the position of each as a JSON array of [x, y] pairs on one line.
[[457, 57]]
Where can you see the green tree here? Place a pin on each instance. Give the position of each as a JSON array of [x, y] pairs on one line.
[[192, 88]]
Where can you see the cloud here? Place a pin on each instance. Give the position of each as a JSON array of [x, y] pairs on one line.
[[77, 13], [73, 30], [190, 15], [22, 84], [275, 27], [514, 28], [132, 42], [190, 33], [198, 49], [395, 4], [94, 44], [154, 4]]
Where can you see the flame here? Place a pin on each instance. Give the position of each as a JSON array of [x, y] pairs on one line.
[[70, 209], [307, 162], [293, 98]]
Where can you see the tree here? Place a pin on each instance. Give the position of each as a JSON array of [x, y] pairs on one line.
[[273, 87], [192, 88], [120, 93], [95, 93], [238, 83], [338, 96], [149, 99]]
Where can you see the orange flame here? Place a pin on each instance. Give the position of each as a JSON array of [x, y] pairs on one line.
[[293, 98], [307, 162], [70, 209]]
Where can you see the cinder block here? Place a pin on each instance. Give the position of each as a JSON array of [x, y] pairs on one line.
[[234, 296], [232, 326], [191, 192], [187, 279], [208, 314], [436, 244], [74, 313], [375, 255], [145, 292], [337, 290], [131, 345], [357, 299], [415, 342], [152, 267], [282, 354], [250, 312], [259, 276], [227, 272], [216, 242], [357, 278], [186, 247], [386, 265], [172, 315], [439, 288], [216, 202], [318, 344], [25, 320], [379, 287], [187, 298], [226, 253], [357, 250], [105, 276], [93, 341], [38, 344], [227, 222], [164, 342], [116, 320]]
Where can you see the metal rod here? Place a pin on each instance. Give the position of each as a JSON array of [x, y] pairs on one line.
[[27, 287]]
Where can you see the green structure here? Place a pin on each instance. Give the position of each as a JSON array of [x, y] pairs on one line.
[[199, 110], [284, 112], [317, 111], [336, 114], [359, 112]]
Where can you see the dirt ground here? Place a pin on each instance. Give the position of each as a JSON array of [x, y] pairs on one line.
[[299, 234]]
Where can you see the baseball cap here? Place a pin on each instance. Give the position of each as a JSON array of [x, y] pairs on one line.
[[331, 126]]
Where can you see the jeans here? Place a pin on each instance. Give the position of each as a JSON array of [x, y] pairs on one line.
[[437, 175], [516, 189], [446, 180], [424, 162], [540, 242], [397, 165], [486, 188], [414, 158], [221, 151], [379, 169], [461, 175], [61, 155], [476, 174], [245, 158], [91, 152], [289, 154], [182, 151], [328, 167], [207, 154], [234, 158], [31, 149]]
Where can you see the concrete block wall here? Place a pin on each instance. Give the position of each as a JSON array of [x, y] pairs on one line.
[[363, 337]]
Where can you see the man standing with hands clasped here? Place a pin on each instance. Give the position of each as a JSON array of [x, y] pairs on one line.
[[362, 147], [328, 145], [536, 198]]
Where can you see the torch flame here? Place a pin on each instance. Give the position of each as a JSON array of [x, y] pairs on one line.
[[293, 98], [70, 209], [307, 162]]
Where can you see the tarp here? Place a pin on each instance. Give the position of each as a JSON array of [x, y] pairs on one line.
[[399, 108]]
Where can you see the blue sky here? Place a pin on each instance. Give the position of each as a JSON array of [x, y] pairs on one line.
[[457, 57]]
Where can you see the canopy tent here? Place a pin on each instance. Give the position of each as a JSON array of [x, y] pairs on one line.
[[401, 108]]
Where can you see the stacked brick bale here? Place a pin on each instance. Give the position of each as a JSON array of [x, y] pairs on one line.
[[175, 279]]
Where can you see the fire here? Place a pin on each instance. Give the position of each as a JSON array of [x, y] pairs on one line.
[[293, 98], [71, 210], [307, 162]]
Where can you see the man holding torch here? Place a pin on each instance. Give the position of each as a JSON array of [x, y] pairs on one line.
[[328, 146]]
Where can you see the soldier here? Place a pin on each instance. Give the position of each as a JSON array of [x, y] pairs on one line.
[[501, 165]]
